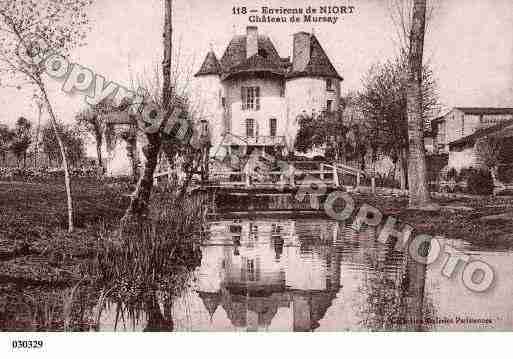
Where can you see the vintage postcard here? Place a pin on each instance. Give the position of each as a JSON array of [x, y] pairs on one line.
[[278, 166]]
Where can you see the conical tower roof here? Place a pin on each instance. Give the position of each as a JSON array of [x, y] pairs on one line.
[[210, 66]]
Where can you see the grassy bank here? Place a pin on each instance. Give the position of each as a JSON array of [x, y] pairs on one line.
[[485, 221], [54, 280]]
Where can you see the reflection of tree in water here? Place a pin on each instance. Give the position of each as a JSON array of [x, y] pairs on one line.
[[150, 265], [383, 294], [150, 294], [395, 299]]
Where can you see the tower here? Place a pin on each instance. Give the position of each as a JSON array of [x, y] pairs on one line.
[[312, 84], [209, 96]]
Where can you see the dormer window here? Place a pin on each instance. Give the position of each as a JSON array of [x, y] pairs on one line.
[[262, 53]]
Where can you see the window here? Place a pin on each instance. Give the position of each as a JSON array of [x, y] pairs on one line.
[[272, 127], [250, 127], [252, 276], [251, 98], [204, 126], [329, 85], [329, 104]]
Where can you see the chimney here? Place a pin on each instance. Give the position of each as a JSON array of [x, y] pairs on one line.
[[301, 51], [251, 41]]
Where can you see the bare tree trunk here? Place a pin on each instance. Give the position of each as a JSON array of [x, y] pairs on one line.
[[140, 199], [402, 167], [167, 90], [67, 181], [417, 172], [131, 148], [415, 282], [36, 148], [99, 153], [134, 159]]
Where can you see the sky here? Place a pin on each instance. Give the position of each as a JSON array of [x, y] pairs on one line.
[[469, 46]]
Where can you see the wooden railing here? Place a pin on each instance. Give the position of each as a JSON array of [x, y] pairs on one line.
[[297, 174], [327, 174]]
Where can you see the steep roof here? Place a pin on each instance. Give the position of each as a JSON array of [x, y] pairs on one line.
[[234, 59], [486, 110], [211, 65], [482, 132], [319, 63], [256, 63]]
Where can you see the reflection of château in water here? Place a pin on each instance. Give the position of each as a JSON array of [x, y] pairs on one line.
[[263, 267]]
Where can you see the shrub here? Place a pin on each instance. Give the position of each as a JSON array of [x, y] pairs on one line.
[[464, 174], [479, 181], [452, 174], [47, 174], [388, 182], [505, 173]]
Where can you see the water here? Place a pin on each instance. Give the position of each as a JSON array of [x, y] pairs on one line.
[[320, 275]]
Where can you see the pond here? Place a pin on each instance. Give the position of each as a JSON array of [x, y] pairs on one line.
[[314, 274]]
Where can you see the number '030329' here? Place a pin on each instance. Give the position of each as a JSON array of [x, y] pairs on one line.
[[27, 344]]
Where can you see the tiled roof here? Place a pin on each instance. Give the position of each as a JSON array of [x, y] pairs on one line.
[[486, 110], [256, 63], [210, 66], [481, 133], [319, 64], [235, 59]]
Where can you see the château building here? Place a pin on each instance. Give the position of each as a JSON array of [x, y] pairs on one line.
[[252, 96]]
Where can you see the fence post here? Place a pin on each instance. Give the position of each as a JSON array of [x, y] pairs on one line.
[[373, 184], [357, 179], [247, 178], [322, 172], [292, 171], [335, 177]]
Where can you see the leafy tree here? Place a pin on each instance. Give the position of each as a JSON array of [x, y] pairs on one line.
[[61, 26], [129, 136], [21, 140], [489, 150], [71, 138], [90, 120], [324, 130], [6, 137], [383, 105], [359, 137]]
